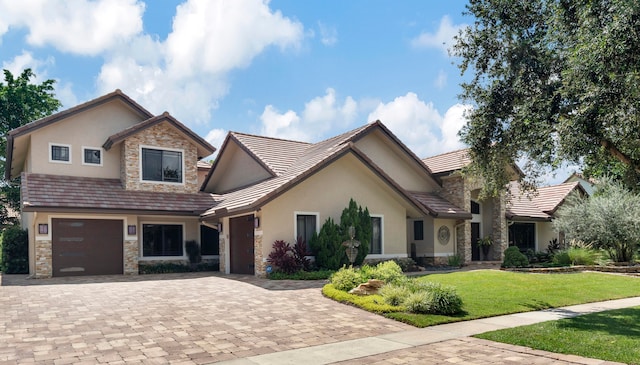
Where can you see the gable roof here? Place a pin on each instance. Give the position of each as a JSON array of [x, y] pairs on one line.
[[204, 147], [543, 204], [44, 192], [448, 162], [43, 122], [291, 162]]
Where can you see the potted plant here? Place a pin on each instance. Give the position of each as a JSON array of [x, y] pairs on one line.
[[485, 244]]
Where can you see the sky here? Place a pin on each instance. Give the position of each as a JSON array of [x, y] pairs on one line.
[[301, 70]]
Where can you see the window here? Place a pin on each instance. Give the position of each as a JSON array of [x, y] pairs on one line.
[[306, 227], [375, 247], [162, 240], [475, 208], [418, 230], [209, 241], [523, 236], [91, 156], [60, 153], [161, 165]]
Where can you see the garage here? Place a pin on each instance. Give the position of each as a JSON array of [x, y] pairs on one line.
[[87, 246]]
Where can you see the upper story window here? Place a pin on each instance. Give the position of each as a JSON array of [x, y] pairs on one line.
[[92, 156], [161, 165], [59, 153]]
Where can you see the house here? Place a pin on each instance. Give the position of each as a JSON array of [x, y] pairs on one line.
[[272, 189], [106, 185], [587, 184], [530, 214]]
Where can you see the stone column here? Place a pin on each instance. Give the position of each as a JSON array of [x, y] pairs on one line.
[[500, 230], [44, 261], [131, 254], [260, 267], [222, 245]]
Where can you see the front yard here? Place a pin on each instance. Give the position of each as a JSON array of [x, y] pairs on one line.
[[487, 293]]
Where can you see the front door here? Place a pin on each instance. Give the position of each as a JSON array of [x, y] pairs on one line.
[[475, 236], [242, 245]]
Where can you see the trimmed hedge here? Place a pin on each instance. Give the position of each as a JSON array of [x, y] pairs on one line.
[[15, 251]]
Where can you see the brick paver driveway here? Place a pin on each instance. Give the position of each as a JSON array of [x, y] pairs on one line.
[[177, 318]]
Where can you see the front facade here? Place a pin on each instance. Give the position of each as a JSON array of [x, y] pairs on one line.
[[107, 186]]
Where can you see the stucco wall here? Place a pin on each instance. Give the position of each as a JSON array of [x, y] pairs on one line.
[[544, 234], [234, 177], [159, 136], [90, 128], [328, 193]]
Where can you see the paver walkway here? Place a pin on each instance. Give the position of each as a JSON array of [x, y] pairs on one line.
[[207, 318]]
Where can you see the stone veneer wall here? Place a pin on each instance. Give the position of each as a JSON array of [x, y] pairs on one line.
[[500, 234], [260, 267], [131, 253], [160, 136], [222, 244], [44, 262]]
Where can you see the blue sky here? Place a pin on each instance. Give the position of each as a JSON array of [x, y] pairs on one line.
[[303, 70]]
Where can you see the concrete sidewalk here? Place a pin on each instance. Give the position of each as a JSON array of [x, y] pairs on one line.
[[413, 345]]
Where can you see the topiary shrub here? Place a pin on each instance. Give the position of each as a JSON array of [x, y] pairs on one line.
[[346, 278], [15, 251], [514, 258]]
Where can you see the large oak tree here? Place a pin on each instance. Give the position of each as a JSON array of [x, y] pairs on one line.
[[21, 102], [552, 81]]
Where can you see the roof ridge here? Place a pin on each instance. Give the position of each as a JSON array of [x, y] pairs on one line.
[[269, 137], [446, 153]]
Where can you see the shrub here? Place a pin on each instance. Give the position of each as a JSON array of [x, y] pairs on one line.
[[514, 258], [282, 257], [407, 264], [354, 216], [302, 275], [193, 251], [538, 256], [327, 246], [394, 294], [455, 260], [15, 251], [346, 278], [444, 299], [576, 256], [300, 254], [171, 267], [562, 258], [418, 302], [387, 271]]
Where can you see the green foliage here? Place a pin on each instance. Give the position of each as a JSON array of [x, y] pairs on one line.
[[302, 275], [576, 256], [608, 220], [371, 303], [551, 81], [444, 299], [514, 258], [21, 102], [327, 244], [418, 302], [406, 263], [193, 251], [15, 251], [455, 260], [171, 267], [346, 278], [394, 294], [562, 258], [387, 271]]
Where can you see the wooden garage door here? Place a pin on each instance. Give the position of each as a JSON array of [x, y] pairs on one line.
[[86, 247]]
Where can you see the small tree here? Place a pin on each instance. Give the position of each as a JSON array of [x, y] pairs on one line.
[[609, 220], [355, 216], [327, 246]]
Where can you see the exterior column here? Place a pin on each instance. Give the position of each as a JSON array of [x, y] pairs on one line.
[[44, 261], [131, 253], [260, 267]]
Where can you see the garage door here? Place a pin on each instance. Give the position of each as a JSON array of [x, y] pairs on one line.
[[86, 247]]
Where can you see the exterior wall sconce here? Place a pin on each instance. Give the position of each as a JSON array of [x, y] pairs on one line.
[[256, 222], [131, 230], [43, 228], [219, 227]]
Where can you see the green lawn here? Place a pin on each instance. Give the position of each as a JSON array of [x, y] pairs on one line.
[[612, 335], [487, 293]]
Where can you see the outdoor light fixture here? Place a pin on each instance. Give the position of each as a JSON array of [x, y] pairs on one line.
[[43, 228], [256, 222], [219, 227], [131, 230]]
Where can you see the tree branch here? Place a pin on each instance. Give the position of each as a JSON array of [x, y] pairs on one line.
[[615, 152]]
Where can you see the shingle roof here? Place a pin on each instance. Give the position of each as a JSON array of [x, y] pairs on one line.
[[542, 204], [203, 165], [450, 161], [205, 148], [291, 162], [440, 207], [42, 191]]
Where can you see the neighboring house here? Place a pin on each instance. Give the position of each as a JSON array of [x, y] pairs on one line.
[[272, 189], [106, 185], [530, 214], [587, 184]]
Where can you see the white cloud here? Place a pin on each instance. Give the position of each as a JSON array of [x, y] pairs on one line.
[[420, 126], [319, 116], [25, 60], [328, 34], [215, 137], [74, 26], [442, 38], [186, 73]]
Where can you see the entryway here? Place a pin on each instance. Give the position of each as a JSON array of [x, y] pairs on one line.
[[241, 245]]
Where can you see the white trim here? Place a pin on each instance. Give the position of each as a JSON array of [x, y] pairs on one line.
[[295, 223], [92, 148], [51, 144], [381, 216], [442, 254], [383, 256], [141, 256], [182, 168]]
